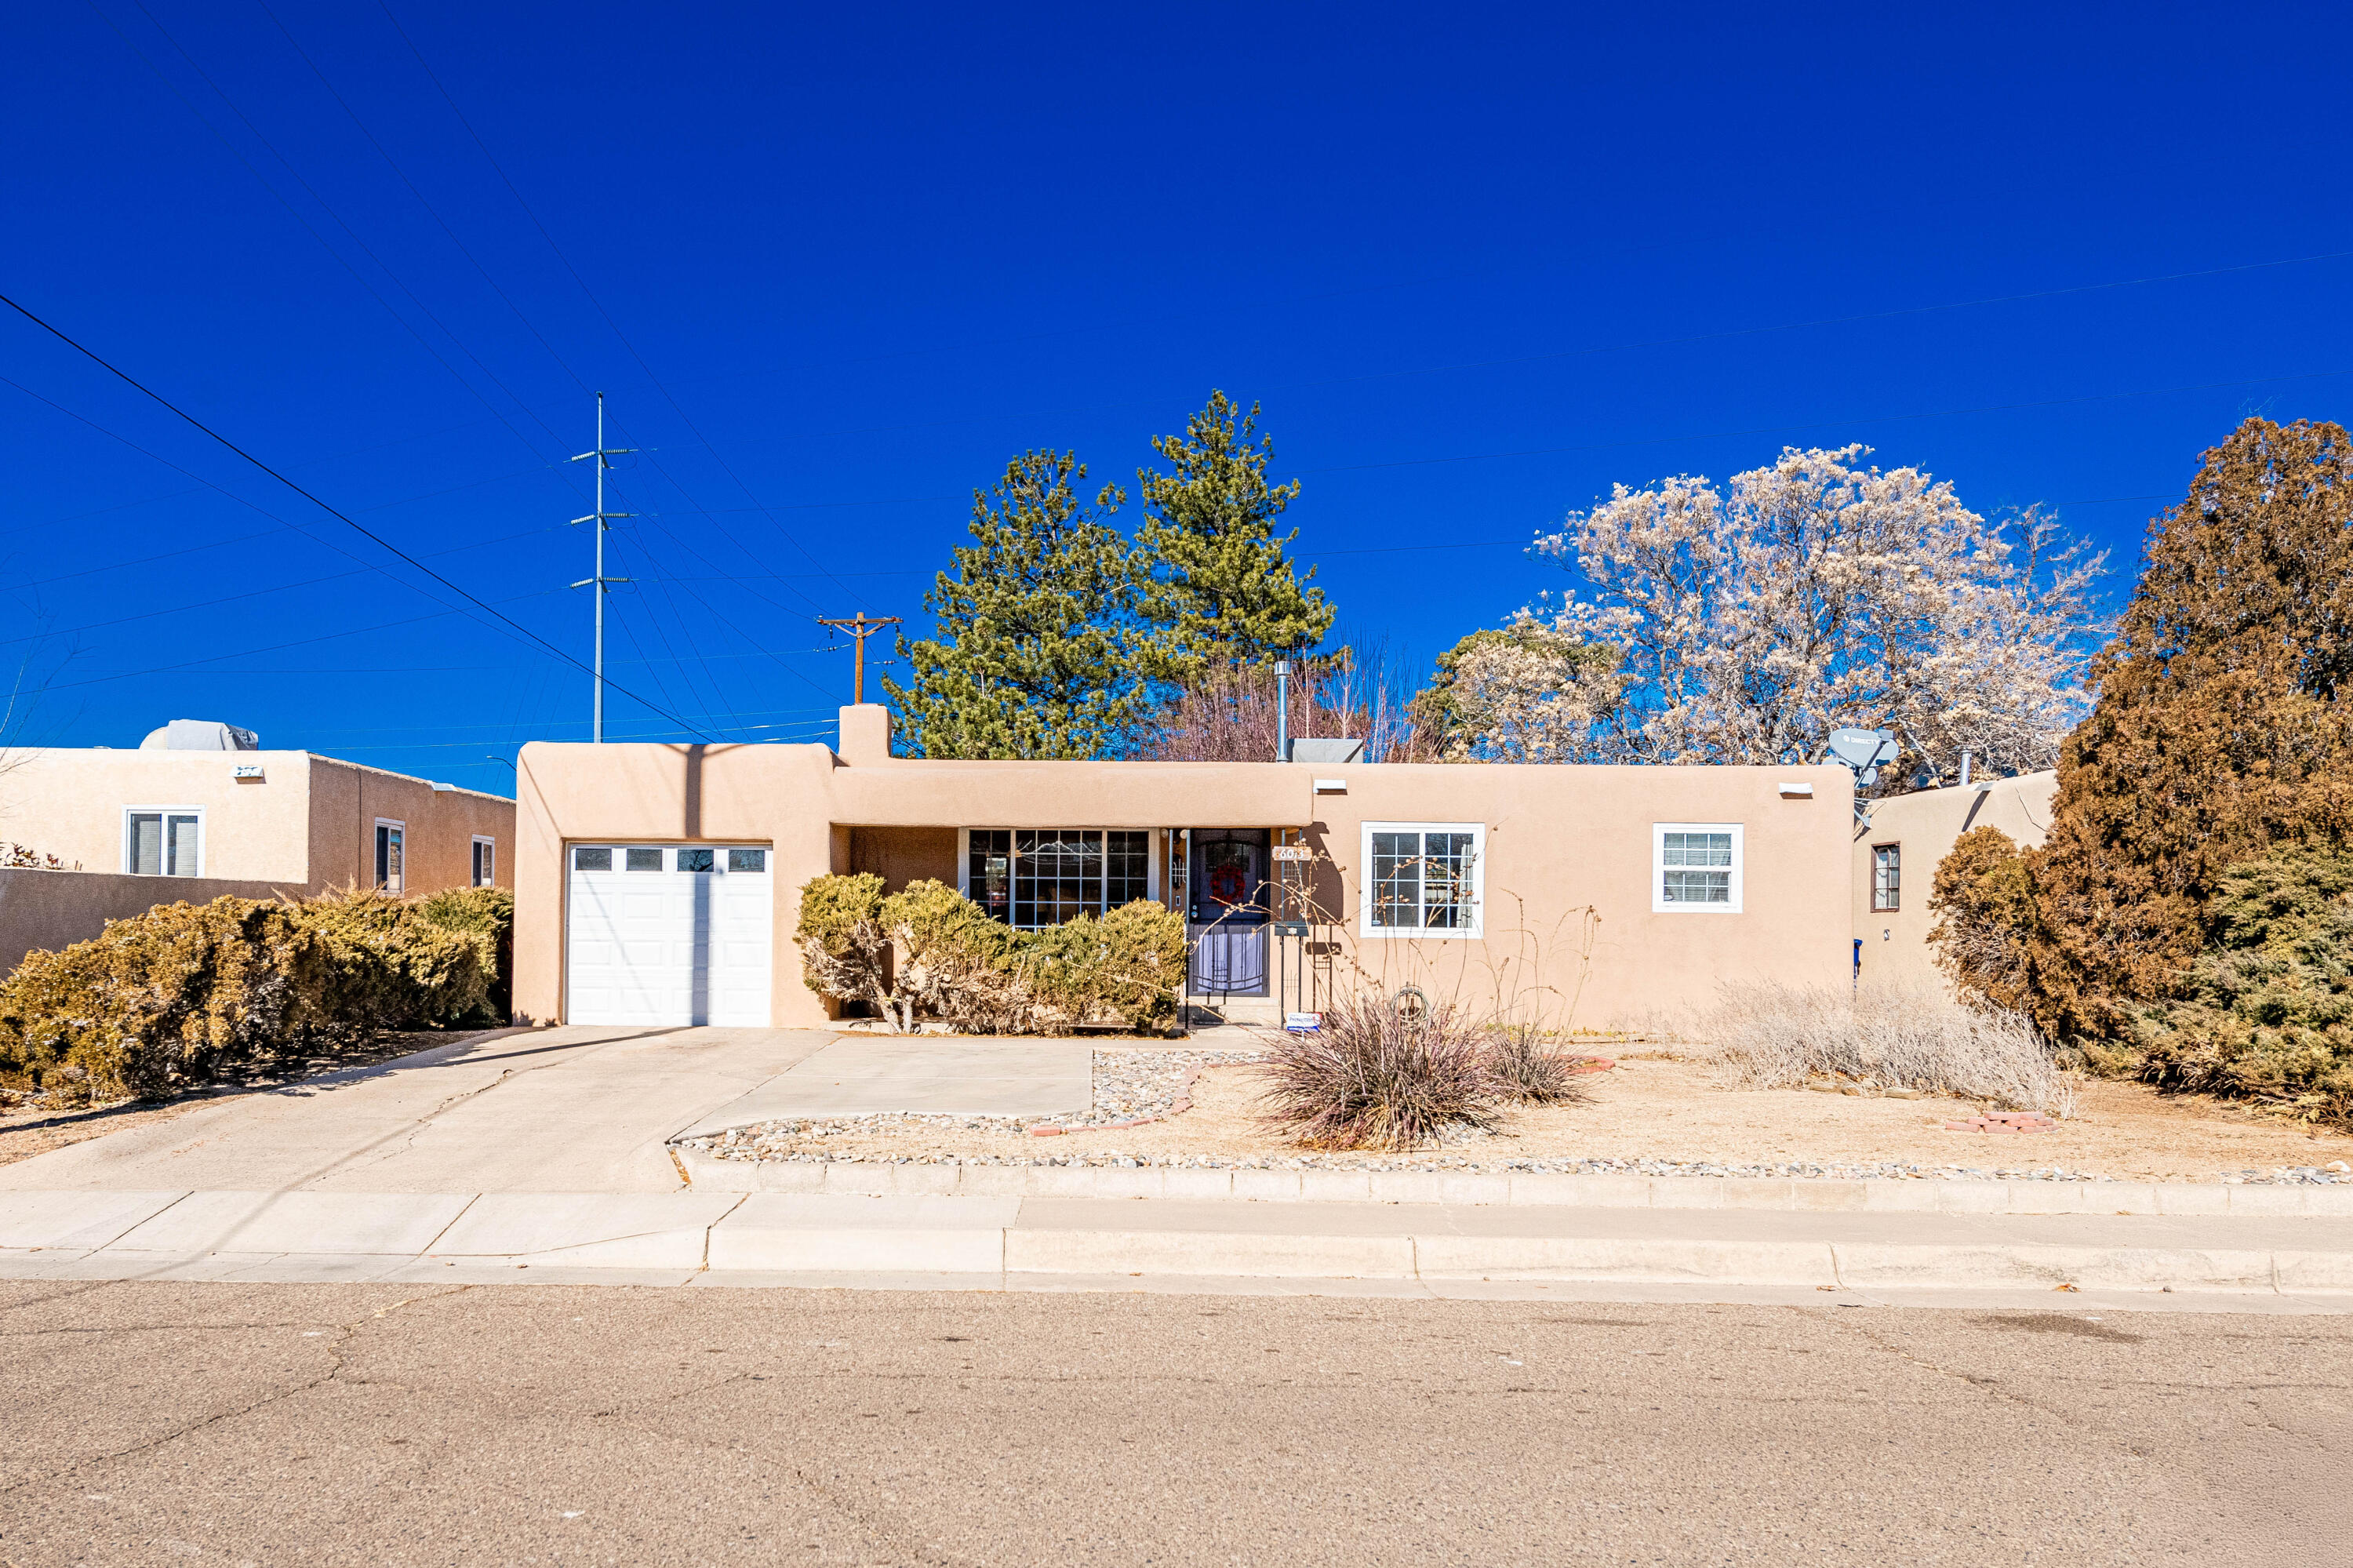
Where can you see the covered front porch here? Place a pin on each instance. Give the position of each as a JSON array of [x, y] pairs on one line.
[[1256, 925]]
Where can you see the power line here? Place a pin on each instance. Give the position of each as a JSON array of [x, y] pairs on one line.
[[356, 527]]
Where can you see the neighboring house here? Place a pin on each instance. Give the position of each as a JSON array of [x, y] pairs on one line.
[[1896, 854], [199, 809], [659, 885]]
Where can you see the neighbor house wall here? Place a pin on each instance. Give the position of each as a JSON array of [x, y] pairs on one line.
[[308, 822], [346, 800], [46, 910], [68, 802], [1896, 954], [1568, 862]]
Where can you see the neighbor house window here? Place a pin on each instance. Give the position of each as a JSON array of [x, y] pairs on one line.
[[163, 840], [486, 861], [391, 856], [1886, 876], [1035, 877], [1695, 868], [1423, 879]]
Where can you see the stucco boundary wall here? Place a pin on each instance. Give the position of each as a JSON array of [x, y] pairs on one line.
[[42, 911], [1793, 1194]]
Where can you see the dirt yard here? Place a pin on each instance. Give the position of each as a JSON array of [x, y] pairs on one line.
[[1665, 1109]]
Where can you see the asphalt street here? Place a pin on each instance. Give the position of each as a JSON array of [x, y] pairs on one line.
[[152, 1422]]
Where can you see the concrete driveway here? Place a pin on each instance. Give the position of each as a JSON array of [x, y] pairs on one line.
[[579, 1109]]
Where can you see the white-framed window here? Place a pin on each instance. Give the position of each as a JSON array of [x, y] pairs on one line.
[[1886, 877], [486, 861], [1034, 877], [1423, 879], [163, 841], [391, 856], [1695, 868]]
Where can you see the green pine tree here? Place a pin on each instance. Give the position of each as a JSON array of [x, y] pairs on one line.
[[1219, 589], [1032, 651]]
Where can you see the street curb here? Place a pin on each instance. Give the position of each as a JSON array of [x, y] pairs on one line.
[[1802, 1194]]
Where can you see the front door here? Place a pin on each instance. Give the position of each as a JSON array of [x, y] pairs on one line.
[[1230, 902]]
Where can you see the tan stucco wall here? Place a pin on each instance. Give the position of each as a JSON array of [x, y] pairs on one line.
[[441, 826], [901, 855], [46, 910], [1560, 839], [70, 803], [307, 823], [1895, 951]]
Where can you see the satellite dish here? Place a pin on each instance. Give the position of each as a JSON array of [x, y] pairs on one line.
[[1865, 751]]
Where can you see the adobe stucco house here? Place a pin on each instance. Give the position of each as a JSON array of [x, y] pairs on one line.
[[198, 812], [1896, 854], [657, 885]]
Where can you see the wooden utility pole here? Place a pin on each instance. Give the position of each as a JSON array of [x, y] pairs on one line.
[[861, 627]]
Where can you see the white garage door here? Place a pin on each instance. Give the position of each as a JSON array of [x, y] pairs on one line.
[[668, 934]]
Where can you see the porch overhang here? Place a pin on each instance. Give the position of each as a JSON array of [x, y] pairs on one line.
[[1093, 794]]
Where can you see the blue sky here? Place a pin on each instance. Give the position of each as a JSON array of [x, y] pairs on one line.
[[834, 266]]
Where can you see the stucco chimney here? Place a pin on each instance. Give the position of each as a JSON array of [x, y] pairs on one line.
[[865, 733]]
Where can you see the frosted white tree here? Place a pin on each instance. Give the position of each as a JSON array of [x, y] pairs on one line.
[[1527, 692], [1819, 593]]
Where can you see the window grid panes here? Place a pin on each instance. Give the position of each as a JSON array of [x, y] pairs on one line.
[[747, 860], [645, 860], [1887, 877], [697, 860], [1424, 881], [163, 844], [592, 860], [1034, 877], [1695, 868]]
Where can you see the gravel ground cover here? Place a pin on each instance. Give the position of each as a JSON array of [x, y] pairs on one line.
[[1648, 1115]]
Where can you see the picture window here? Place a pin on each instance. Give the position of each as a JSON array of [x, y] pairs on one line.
[[1034, 877]]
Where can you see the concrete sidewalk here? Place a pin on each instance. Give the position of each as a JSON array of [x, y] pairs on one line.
[[693, 1236]]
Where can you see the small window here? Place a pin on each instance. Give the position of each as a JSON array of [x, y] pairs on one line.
[[592, 860], [1695, 868], [645, 858], [1886, 877], [486, 862], [695, 860], [163, 843], [391, 857], [1422, 879], [747, 860]]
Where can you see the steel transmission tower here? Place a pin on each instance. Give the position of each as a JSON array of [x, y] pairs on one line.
[[604, 520]]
